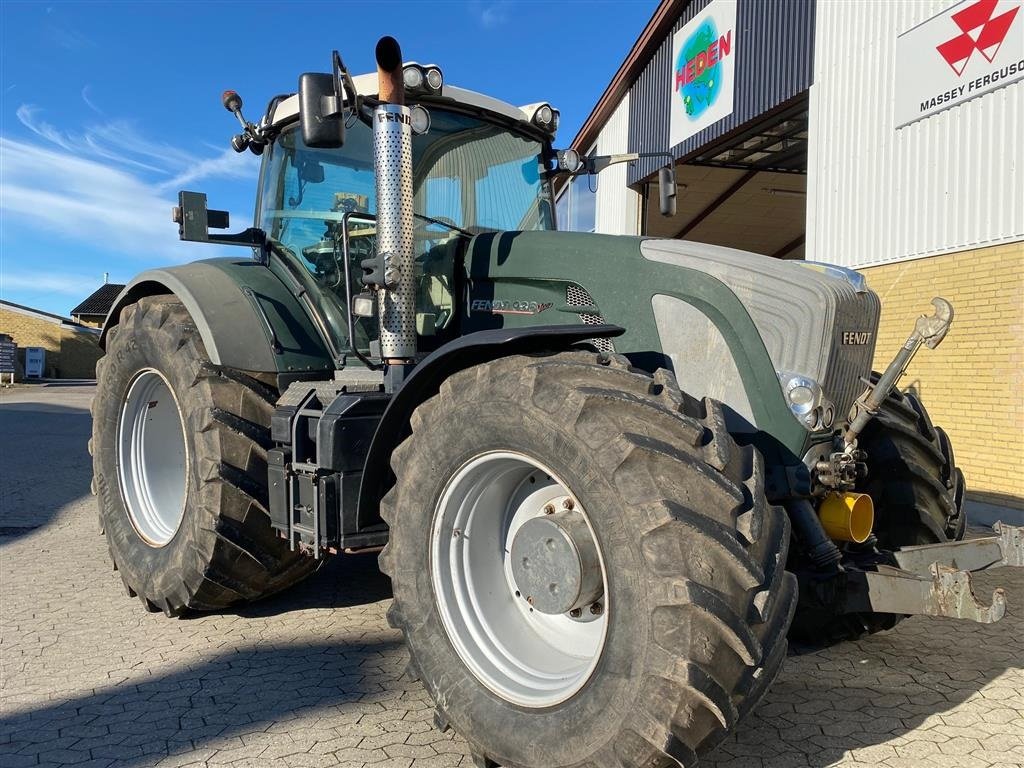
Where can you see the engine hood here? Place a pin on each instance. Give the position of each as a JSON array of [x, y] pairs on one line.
[[726, 321], [816, 320]]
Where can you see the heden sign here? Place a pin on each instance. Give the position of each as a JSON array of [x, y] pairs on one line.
[[703, 70], [969, 49]]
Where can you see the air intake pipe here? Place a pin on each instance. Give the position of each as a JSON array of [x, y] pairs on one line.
[[392, 158]]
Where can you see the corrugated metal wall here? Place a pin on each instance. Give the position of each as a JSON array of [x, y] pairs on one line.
[[875, 194], [618, 206], [774, 62]]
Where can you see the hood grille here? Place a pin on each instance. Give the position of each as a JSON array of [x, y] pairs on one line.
[[577, 296]]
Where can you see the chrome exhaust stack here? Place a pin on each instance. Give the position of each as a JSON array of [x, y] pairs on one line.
[[392, 158]]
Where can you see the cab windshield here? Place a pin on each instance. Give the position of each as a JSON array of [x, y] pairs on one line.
[[469, 176]]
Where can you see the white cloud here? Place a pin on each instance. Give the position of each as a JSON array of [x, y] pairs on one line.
[[226, 165], [67, 284], [119, 142], [491, 15], [108, 187], [85, 200], [87, 98]]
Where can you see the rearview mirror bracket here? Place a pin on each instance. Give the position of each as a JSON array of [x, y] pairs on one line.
[[570, 162], [195, 220]]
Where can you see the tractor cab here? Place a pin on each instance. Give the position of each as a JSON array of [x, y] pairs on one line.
[[475, 170]]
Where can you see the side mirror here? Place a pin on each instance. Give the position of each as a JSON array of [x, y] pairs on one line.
[[667, 189], [321, 117]]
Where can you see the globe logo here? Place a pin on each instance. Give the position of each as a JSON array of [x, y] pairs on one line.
[[698, 70]]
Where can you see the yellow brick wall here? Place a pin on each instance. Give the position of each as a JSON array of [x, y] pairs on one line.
[[973, 384], [31, 332], [72, 354], [79, 351]]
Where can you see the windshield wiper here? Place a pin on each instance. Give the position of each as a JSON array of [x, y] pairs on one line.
[[443, 223]]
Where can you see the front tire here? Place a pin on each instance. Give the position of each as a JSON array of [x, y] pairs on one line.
[[912, 476], [179, 463], [918, 492], [695, 601]]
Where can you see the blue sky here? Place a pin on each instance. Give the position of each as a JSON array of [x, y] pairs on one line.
[[108, 109]]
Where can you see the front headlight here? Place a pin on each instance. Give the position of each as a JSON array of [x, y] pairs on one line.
[[806, 401]]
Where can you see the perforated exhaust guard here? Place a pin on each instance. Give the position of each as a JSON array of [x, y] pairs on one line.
[[392, 156]]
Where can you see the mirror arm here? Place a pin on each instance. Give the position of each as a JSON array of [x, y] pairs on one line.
[[254, 237], [598, 163], [195, 220]]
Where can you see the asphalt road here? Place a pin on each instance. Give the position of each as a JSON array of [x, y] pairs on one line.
[[316, 677]]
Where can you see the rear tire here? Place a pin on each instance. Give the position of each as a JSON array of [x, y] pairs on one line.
[[218, 549], [698, 601]]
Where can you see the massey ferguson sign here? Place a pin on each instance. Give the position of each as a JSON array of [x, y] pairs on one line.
[[973, 47]]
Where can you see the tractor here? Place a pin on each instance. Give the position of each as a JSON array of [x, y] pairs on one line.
[[610, 478]]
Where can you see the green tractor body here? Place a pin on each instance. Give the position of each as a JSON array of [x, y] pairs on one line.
[[599, 466]]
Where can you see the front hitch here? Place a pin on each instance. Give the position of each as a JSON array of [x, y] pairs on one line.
[[935, 579]]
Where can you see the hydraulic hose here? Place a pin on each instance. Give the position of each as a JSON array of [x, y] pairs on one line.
[[811, 534]]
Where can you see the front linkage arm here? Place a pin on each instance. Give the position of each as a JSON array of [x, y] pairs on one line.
[[935, 579], [929, 330], [842, 468]]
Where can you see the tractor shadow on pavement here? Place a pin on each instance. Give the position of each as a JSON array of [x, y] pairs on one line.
[[252, 696], [341, 582], [892, 696], [38, 483]]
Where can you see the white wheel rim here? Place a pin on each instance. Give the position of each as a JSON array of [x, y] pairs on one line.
[[152, 458], [524, 656]]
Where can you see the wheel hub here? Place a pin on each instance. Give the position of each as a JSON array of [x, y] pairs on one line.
[[152, 458], [530, 644], [555, 563]]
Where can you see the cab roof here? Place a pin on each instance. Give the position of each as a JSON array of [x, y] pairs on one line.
[[287, 110]]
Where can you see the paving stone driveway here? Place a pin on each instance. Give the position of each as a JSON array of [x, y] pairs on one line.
[[316, 677]]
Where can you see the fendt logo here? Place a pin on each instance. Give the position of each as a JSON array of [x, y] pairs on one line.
[[980, 30], [856, 338], [509, 307]]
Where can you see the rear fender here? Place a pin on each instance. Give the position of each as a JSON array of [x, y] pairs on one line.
[[246, 317]]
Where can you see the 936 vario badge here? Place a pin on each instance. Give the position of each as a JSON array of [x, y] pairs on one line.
[[509, 306]]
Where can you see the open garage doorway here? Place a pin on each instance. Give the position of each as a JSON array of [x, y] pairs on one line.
[[747, 191]]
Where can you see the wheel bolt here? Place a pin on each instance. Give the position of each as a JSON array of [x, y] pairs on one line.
[[456, 533], [597, 609], [549, 509], [568, 504], [575, 613], [529, 599]]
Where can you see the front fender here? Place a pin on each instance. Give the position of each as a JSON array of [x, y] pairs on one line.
[[425, 381], [240, 309]]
